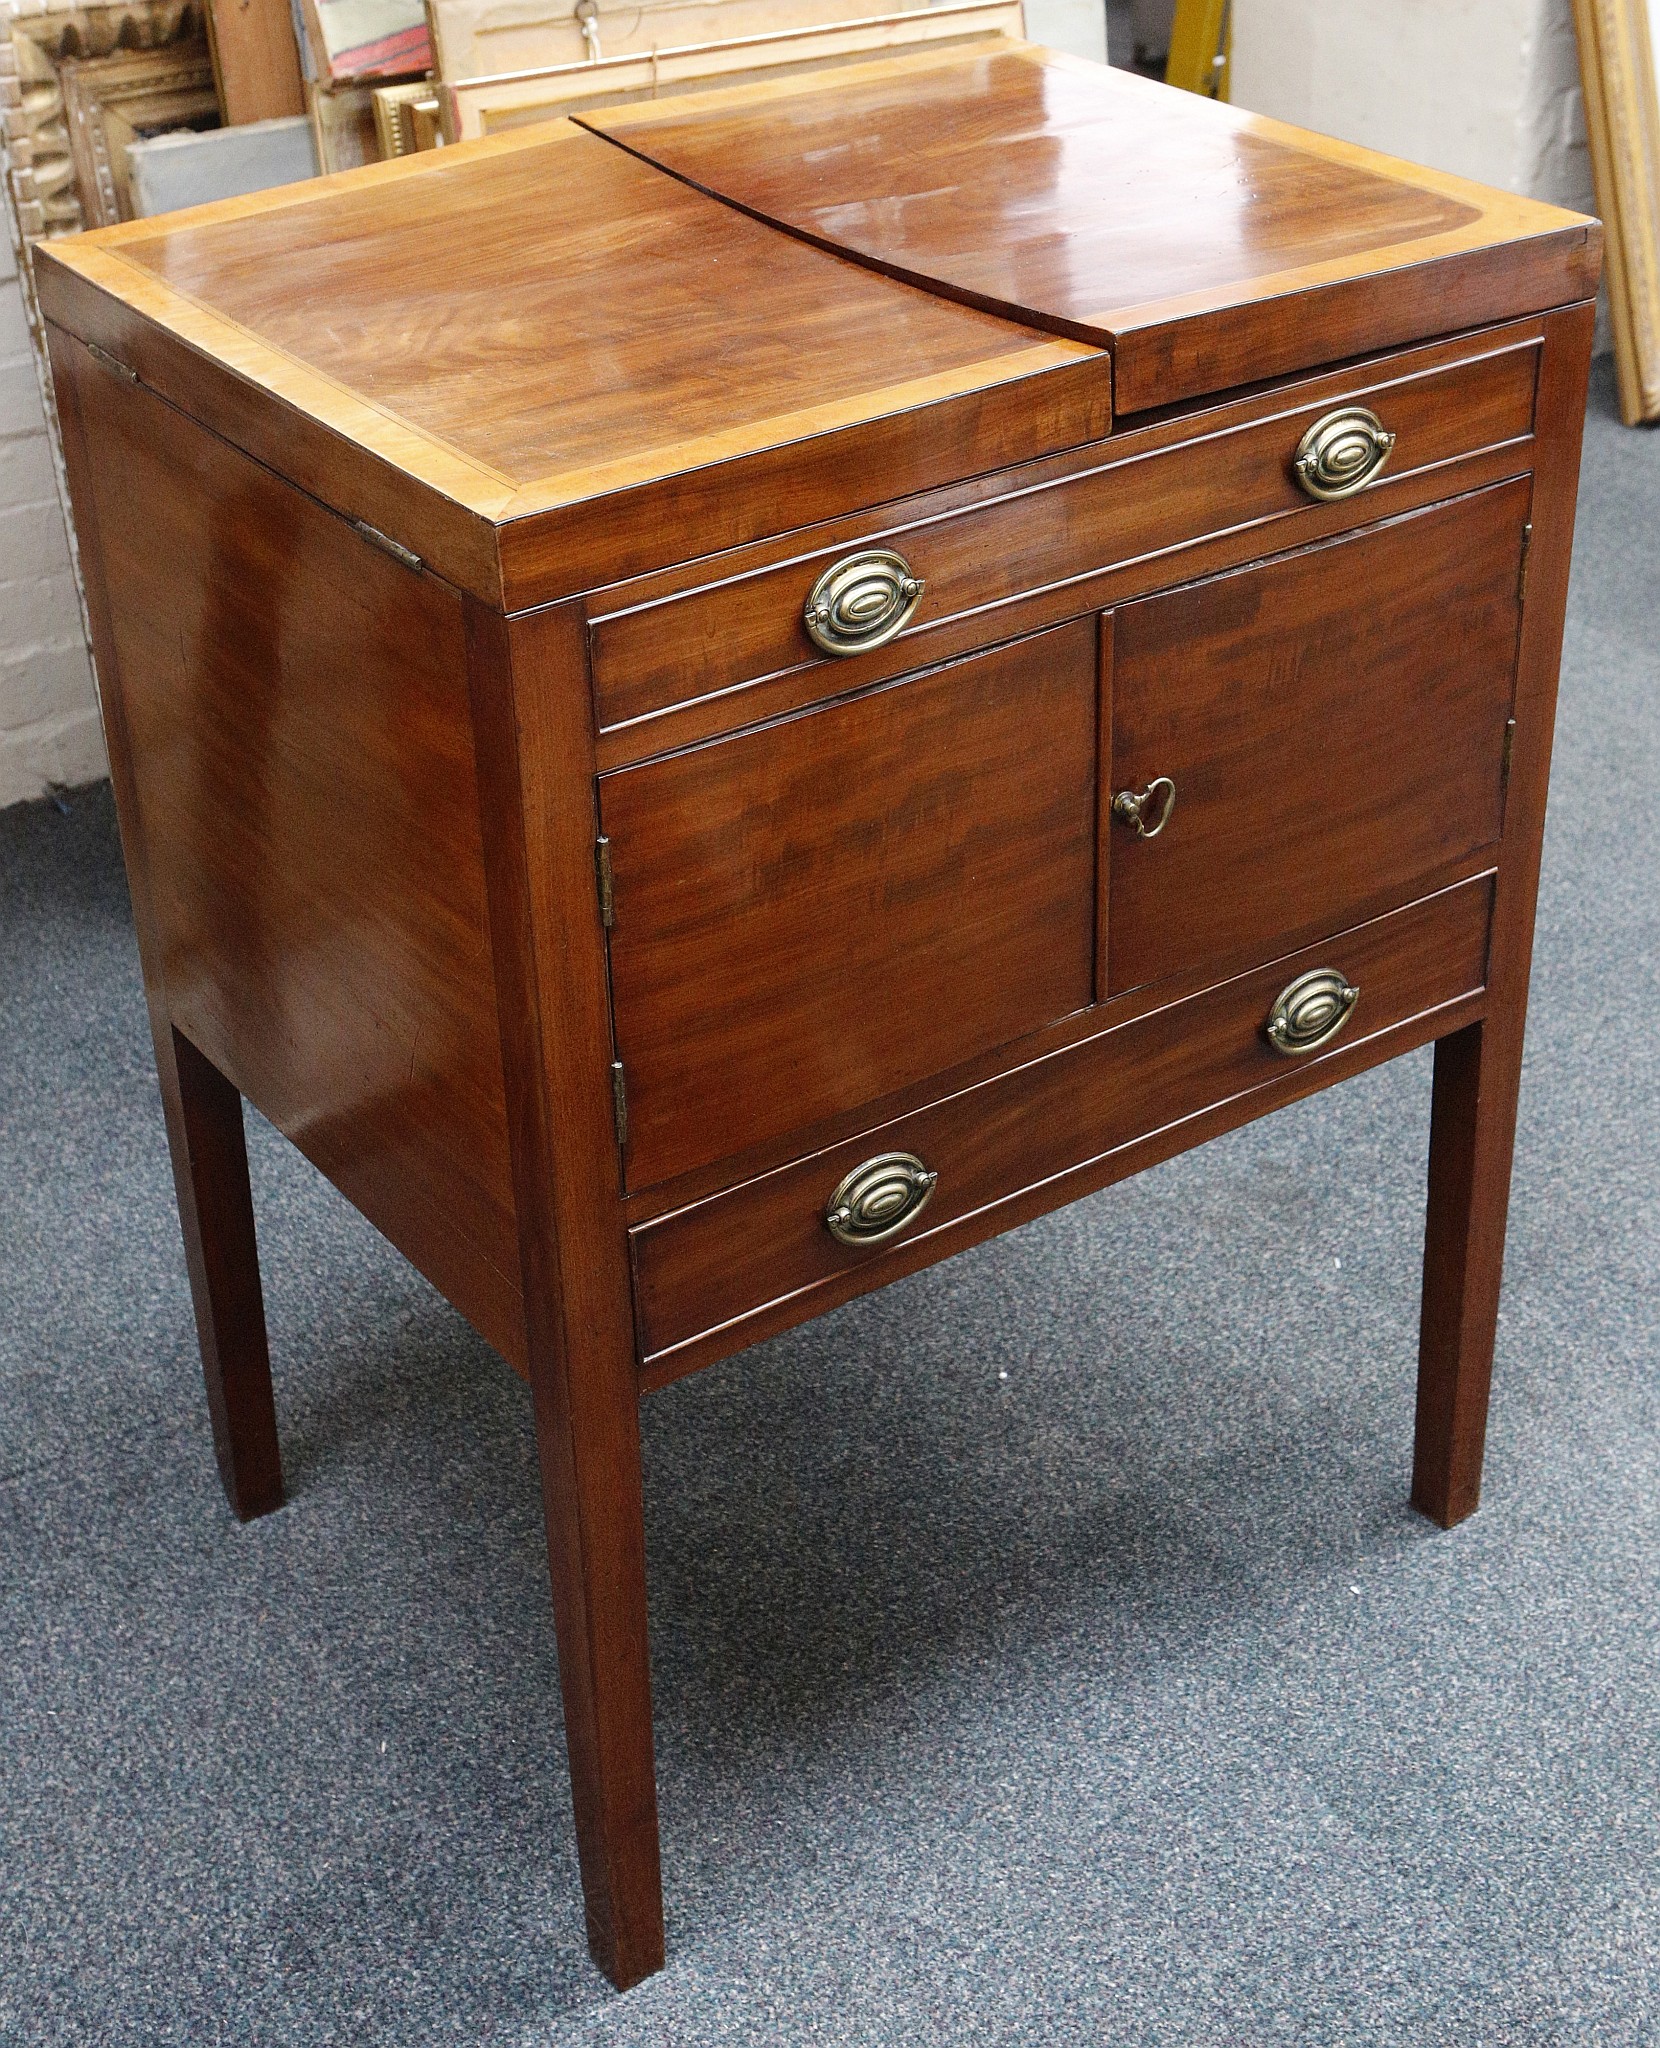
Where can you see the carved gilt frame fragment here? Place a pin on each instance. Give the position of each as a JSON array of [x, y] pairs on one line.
[[111, 102], [39, 182]]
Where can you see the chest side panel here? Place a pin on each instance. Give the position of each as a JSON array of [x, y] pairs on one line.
[[302, 755]]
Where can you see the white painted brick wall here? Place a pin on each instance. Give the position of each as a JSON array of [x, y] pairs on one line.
[[1553, 154], [1078, 26], [50, 734], [1486, 88]]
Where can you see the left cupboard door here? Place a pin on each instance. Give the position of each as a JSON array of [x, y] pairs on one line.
[[816, 912]]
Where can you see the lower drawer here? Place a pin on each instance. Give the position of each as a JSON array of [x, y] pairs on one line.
[[711, 1277]]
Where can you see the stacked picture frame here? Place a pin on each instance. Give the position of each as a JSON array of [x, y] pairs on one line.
[[1619, 44]]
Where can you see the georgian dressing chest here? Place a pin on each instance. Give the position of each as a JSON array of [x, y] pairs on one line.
[[716, 701]]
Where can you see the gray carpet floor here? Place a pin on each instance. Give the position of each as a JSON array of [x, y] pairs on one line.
[[1044, 1650]]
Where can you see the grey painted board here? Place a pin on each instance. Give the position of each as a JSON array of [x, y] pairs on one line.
[[185, 169]]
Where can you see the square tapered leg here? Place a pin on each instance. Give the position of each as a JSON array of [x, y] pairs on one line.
[[210, 1174], [1472, 1125]]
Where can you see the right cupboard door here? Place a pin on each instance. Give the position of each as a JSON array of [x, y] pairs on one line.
[[1334, 725]]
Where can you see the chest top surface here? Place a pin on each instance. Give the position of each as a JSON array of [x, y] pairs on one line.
[[744, 310], [563, 308], [1169, 228]]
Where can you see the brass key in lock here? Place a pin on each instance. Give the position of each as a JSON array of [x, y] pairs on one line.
[[1146, 811]]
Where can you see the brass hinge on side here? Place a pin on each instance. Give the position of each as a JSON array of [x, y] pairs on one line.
[[619, 1103], [603, 882], [121, 369], [387, 545], [1509, 749], [1527, 550]]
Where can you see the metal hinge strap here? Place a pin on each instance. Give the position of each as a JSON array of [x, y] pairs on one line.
[[1527, 550], [387, 545], [619, 1102], [604, 882], [121, 369]]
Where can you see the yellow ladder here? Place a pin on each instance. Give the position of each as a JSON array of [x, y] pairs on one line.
[[1201, 40]]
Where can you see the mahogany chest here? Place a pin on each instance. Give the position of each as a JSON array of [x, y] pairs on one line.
[[713, 702]]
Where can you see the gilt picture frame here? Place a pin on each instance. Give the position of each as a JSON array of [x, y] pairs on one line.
[[112, 102], [1619, 42]]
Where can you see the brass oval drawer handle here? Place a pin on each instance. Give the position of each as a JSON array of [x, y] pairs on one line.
[[876, 1201], [1146, 811], [1342, 453], [861, 602], [1310, 1011]]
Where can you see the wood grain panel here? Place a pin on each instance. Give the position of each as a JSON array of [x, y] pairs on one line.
[[564, 309], [1334, 724], [653, 656], [1009, 409], [817, 912], [302, 763], [1205, 245], [533, 374], [202, 1111], [570, 534], [760, 1256]]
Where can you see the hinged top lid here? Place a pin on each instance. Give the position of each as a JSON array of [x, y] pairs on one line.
[[547, 360], [1206, 247], [538, 362]]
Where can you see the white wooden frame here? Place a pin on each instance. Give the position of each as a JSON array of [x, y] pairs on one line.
[[483, 106]]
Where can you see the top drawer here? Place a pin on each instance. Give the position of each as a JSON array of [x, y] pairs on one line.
[[1148, 497]]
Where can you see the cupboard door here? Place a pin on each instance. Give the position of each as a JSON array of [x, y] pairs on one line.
[[1334, 725], [816, 912]]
